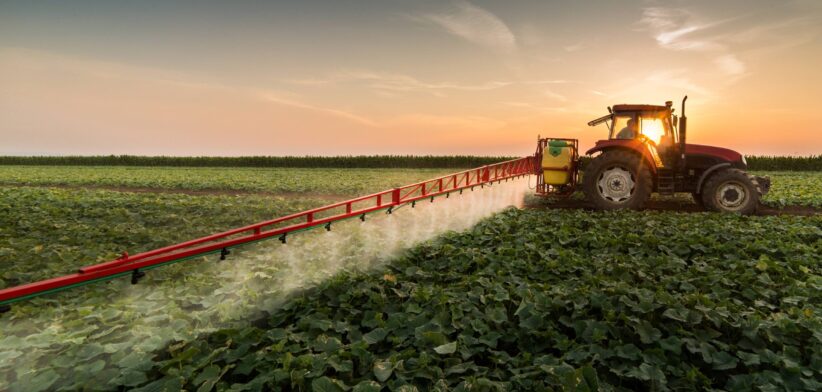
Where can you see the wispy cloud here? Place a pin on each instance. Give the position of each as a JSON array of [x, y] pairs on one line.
[[535, 107], [473, 24], [676, 29], [404, 83], [270, 97], [682, 30], [556, 96], [677, 79], [730, 65]]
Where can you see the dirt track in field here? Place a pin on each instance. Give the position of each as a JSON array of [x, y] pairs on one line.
[[680, 206]]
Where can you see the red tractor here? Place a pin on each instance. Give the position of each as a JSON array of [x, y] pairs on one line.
[[646, 152]]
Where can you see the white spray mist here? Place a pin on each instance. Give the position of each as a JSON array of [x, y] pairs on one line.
[[194, 297]]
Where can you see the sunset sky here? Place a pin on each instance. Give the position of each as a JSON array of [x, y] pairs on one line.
[[399, 77]]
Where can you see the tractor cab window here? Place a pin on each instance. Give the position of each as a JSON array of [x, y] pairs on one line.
[[657, 129], [624, 127], [652, 128]]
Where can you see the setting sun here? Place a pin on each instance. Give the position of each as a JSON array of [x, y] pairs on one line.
[[653, 129]]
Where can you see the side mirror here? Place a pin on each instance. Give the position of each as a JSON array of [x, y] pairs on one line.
[[676, 121]]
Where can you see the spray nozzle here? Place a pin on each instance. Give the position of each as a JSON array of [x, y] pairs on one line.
[[136, 275]]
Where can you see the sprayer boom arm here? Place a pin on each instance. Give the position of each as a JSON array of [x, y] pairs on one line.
[[135, 265]]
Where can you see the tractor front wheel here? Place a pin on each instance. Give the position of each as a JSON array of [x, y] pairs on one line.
[[731, 190], [617, 180]]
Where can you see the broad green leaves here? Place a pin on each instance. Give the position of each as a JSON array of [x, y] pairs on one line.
[[526, 300], [637, 301]]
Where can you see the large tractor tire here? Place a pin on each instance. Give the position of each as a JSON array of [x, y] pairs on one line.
[[731, 190], [617, 180]]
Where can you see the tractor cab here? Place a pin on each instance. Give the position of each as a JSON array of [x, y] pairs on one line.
[[650, 124], [631, 121]]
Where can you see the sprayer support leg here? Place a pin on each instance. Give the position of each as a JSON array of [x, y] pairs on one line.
[[223, 253], [362, 218], [5, 308], [283, 238], [136, 275], [328, 226]]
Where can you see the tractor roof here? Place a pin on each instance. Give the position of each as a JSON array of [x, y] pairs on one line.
[[639, 108], [631, 108]]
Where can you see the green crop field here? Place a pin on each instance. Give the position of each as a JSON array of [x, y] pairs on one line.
[[789, 188], [794, 188], [533, 299], [346, 182]]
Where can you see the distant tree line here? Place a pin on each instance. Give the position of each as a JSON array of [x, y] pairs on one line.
[[806, 163]]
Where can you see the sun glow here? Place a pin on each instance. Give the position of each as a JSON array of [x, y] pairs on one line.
[[653, 129]]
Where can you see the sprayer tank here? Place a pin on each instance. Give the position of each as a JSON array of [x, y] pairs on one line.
[[557, 161]]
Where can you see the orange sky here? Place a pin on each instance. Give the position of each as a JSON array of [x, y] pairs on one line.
[[455, 77]]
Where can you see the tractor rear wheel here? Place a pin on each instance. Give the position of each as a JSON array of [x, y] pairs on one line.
[[617, 180], [731, 190]]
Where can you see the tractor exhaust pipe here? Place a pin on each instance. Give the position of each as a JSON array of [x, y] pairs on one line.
[[683, 132]]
